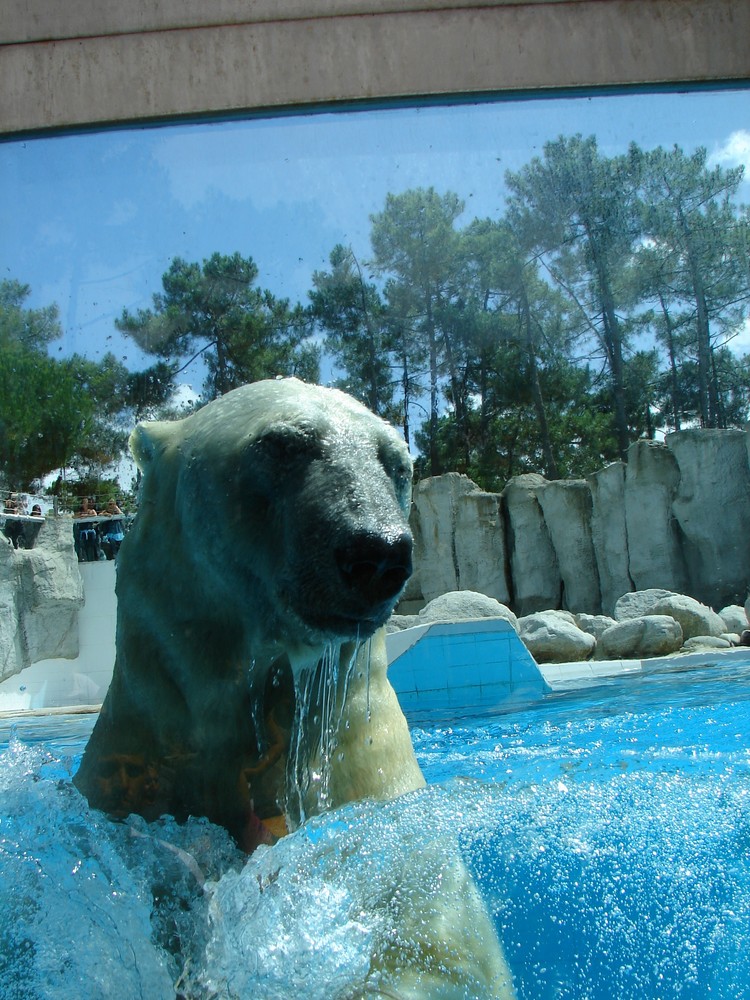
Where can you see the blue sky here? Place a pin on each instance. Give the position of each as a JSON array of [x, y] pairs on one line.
[[92, 221]]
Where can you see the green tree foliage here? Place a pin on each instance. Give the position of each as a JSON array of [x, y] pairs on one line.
[[692, 265], [213, 309], [103, 385], [511, 443], [578, 209], [57, 414], [521, 309], [731, 376], [596, 310], [350, 311], [147, 391], [642, 382], [71, 413], [39, 416], [415, 243], [29, 329]]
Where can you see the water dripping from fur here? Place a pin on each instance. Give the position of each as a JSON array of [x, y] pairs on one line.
[[320, 699]]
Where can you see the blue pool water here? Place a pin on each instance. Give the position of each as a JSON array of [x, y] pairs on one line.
[[608, 829]]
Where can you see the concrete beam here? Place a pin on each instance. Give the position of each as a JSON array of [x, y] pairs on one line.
[[40, 20], [146, 61]]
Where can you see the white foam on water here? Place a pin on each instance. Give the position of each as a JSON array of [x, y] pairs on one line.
[[629, 880], [102, 908]]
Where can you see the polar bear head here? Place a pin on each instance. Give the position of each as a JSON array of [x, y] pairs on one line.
[[285, 502]]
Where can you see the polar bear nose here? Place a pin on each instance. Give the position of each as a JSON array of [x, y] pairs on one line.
[[375, 568]]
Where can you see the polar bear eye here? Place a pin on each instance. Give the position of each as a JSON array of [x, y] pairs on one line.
[[397, 468], [402, 479], [287, 443], [401, 475]]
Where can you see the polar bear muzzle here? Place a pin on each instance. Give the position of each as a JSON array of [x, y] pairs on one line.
[[375, 568], [350, 591]]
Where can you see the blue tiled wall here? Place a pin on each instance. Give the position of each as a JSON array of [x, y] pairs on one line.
[[462, 667]]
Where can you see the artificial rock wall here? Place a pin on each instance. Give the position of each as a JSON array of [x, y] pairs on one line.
[[676, 516], [41, 591]]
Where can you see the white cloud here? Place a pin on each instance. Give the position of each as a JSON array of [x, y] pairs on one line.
[[734, 152], [741, 343], [185, 397]]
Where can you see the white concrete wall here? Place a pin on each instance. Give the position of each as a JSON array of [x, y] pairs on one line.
[[83, 681]]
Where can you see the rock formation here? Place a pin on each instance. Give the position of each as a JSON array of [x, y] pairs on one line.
[[712, 507], [653, 537], [694, 618], [647, 623], [536, 584], [734, 618], [609, 533], [554, 636], [567, 507], [459, 605], [651, 635], [41, 591], [674, 517]]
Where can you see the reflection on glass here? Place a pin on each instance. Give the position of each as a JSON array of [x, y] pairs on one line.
[[519, 286], [522, 286]]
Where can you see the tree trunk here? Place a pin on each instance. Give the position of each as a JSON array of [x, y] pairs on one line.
[[613, 346], [672, 364], [435, 469], [372, 393], [612, 340], [222, 381], [458, 393], [706, 386], [550, 463], [406, 393]]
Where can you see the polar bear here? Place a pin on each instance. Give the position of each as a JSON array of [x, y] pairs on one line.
[[250, 684]]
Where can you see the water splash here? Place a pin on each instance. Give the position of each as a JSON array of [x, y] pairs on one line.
[[613, 851], [321, 693], [633, 885], [67, 896]]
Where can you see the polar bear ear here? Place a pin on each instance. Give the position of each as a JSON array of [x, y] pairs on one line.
[[149, 440]]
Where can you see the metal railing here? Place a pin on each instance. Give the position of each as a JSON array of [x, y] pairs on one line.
[[96, 535]]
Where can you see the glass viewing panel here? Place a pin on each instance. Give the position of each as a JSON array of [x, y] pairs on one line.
[[519, 286], [512, 283]]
